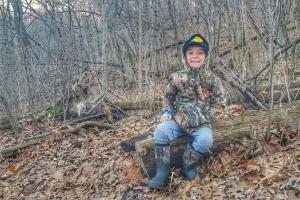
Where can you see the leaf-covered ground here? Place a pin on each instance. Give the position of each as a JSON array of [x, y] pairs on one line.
[[90, 164]]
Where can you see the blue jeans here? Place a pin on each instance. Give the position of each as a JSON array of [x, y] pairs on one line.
[[167, 131]]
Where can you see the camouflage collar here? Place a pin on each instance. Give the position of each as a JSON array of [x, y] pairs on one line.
[[202, 69]]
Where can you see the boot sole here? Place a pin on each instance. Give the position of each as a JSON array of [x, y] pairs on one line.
[[156, 186]]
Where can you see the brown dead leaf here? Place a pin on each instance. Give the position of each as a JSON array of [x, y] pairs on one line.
[[298, 153], [225, 160], [216, 167], [244, 165], [132, 172], [58, 175], [206, 93], [253, 169], [12, 169], [280, 176], [197, 182], [238, 108], [274, 141], [183, 189], [275, 177], [267, 172], [131, 126], [272, 148]]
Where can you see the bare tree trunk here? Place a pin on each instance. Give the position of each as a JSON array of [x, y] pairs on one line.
[[104, 57], [25, 54], [172, 9], [297, 16], [140, 76], [273, 18], [84, 55], [6, 107], [293, 52]]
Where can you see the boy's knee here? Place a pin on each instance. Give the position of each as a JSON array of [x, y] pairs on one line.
[[202, 145], [162, 133], [208, 141], [204, 141]]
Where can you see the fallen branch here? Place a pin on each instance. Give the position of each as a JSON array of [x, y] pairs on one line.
[[138, 105], [72, 130], [98, 102], [87, 124], [12, 151], [83, 119], [235, 81]]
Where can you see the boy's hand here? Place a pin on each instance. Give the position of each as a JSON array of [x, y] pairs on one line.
[[165, 117]]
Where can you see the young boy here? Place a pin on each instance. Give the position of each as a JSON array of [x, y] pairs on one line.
[[188, 108]]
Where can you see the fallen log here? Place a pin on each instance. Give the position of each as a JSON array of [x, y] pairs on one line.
[[138, 105], [13, 150], [224, 132]]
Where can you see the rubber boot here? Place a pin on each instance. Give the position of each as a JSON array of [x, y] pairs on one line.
[[162, 159], [190, 161]]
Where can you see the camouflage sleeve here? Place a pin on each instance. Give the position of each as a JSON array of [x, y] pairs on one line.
[[217, 91], [216, 95], [170, 96]]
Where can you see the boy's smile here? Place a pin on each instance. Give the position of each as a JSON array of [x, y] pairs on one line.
[[195, 57]]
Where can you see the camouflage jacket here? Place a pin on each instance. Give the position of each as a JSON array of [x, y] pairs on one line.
[[191, 95]]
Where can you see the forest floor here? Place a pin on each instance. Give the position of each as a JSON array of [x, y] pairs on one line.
[[90, 164]]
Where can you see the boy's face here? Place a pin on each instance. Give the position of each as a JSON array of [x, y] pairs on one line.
[[195, 57]]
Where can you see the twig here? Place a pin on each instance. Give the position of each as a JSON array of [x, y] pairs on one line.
[[89, 123], [75, 121], [171, 181], [98, 102], [78, 126], [13, 150], [45, 134], [133, 195], [232, 78]]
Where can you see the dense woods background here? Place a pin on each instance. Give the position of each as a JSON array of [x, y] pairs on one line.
[[46, 44], [117, 55]]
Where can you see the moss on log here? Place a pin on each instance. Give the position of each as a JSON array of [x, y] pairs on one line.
[[138, 105]]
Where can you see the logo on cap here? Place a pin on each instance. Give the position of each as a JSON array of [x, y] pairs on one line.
[[198, 39]]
